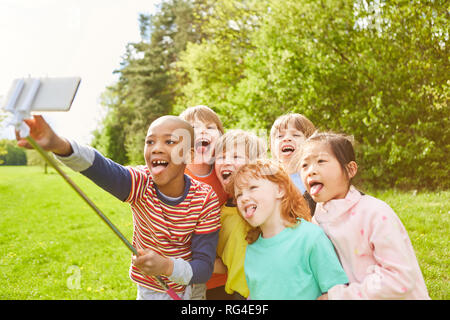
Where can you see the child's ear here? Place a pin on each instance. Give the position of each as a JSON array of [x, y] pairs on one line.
[[281, 192], [352, 169]]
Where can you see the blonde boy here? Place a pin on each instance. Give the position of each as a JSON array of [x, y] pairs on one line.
[[234, 149], [287, 135]]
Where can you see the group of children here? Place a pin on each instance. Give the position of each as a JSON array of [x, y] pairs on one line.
[[215, 218]]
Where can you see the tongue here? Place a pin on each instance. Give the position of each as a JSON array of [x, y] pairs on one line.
[[249, 212], [201, 149], [157, 169], [315, 189]]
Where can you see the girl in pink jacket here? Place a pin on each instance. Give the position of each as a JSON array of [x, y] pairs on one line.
[[371, 241]]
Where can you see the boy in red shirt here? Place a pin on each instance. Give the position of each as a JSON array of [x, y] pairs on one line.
[[207, 128]]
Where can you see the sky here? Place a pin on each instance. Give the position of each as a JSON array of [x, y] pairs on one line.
[[62, 38]]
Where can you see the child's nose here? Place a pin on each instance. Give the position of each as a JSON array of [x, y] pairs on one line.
[[312, 169], [245, 197], [157, 147], [201, 129], [228, 160]]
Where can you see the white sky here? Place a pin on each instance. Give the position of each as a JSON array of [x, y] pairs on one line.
[[62, 38]]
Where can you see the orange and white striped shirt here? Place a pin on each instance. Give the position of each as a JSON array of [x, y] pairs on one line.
[[167, 226], [184, 229]]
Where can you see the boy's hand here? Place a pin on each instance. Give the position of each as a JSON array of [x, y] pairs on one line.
[[44, 135], [153, 264]]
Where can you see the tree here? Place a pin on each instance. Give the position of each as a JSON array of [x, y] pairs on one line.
[[14, 155], [374, 69], [147, 85], [214, 66]]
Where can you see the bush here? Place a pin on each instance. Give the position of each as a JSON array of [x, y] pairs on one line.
[[14, 155]]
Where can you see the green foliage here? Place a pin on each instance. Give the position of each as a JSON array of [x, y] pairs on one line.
[[11, 155], [146, 88], [215, 65], [375, 69]]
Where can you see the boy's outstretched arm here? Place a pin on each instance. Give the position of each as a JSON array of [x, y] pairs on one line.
[[107, 174], [44, 135]]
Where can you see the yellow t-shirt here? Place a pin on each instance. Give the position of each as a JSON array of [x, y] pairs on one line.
[[231, 249]]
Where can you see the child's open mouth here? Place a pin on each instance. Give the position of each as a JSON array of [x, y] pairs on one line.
[[287, 150], [202, 145], [226, 174], [249, 211], [315, 187], [158, 166]]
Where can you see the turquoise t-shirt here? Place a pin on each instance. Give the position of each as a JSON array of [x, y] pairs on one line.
[[299, 263]]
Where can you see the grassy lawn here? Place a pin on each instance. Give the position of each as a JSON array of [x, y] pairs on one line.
[[53, 246]]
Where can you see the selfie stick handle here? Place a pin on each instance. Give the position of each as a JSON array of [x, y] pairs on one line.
[[53, 163]]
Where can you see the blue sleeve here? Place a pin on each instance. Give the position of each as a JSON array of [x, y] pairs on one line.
[[110, 176], [203, 248]]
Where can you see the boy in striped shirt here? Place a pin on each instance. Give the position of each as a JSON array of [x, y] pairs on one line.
[[176, 219]]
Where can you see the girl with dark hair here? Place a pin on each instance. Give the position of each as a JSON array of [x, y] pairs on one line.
[[371, 241]]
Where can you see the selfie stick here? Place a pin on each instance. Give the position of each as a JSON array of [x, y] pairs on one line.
[[23, 111]]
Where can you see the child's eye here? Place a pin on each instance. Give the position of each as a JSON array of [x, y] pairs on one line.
[[304, 165], [321, 161], [253, 187], [149, 142], [170, 142]]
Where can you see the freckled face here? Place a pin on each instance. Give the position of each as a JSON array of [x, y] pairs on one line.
[[258, 201]]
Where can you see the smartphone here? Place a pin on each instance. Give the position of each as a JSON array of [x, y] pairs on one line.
[[42, 94]]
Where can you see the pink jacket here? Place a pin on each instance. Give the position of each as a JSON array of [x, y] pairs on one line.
[[373, 247]]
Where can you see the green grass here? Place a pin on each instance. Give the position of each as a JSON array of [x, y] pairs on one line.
[[48, 236], [426, 217]]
